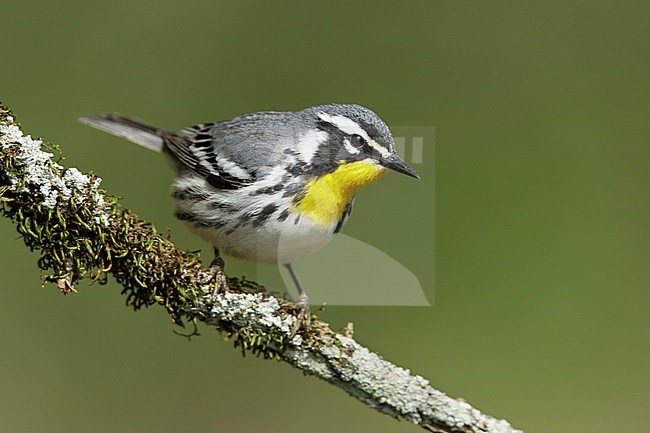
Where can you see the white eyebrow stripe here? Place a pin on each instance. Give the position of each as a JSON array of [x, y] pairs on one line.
[[345, 124], [349, 126], [379, 148]]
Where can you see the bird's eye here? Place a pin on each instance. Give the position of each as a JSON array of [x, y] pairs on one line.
[[357, 141]]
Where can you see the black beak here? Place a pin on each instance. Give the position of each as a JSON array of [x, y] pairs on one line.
[[395, 163]]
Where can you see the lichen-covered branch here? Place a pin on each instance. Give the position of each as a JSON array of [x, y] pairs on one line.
[[83, 233]]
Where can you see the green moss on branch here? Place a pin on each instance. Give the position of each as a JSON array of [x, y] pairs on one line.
[[89, 235]]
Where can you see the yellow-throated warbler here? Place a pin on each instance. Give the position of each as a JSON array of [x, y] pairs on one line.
[[269, 186]]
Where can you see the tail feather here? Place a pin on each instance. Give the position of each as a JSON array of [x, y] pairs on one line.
[[132, 129]]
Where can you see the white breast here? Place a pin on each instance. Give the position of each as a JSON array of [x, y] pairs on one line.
[[274, 242]]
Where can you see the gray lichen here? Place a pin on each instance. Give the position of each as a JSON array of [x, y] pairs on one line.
[[41, 174]]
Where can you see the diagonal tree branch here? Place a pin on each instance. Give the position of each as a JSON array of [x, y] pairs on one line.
[[81, 232]]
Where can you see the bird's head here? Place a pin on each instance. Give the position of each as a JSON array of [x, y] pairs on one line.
[[347, 134], [343, 148]]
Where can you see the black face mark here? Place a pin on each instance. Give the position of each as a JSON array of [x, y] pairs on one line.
[[329, 154], [335, 150]]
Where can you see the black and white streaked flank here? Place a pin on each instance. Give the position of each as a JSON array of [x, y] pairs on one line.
[[239, 182]]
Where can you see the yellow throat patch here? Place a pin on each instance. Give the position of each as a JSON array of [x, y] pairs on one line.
[[324, 199]]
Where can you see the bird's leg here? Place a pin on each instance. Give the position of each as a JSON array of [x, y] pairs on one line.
[[304, 316], [217, 276]]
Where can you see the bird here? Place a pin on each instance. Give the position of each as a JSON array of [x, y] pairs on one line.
[[269, 186]]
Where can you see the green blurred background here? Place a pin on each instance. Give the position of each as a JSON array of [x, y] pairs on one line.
[[541, 206]]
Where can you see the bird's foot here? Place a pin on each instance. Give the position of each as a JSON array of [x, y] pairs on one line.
[[303, 320], [216, 277]]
